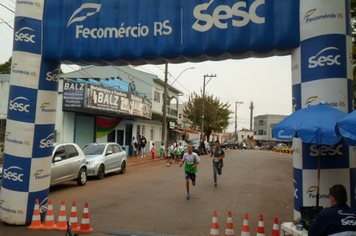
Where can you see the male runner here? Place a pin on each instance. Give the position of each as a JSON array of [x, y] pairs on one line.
[[218, 162], [191, 169]]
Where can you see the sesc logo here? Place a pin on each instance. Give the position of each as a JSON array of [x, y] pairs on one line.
[[325, 150], [53, 76], [19, 104], [44, 205], [85, 6], [325, 60], [48, 141], [238, 13], [24, 35], [13, 173]]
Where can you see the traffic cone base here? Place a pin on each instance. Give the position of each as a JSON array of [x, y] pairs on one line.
[[85, 224], [36, 217], [74, 218], [245, 227], [261, 228], [62, 218], [275, 230], [49, 221], [229, 226], [214, 231]]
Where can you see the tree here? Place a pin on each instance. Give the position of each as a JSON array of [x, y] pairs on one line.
[[216, 115], [6, 67]]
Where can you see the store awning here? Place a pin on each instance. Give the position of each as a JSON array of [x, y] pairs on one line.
[[178, 131], [189, 131]]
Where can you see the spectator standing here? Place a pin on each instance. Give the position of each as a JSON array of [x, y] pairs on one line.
[[139, 146], [143, 146], [153, 151], [169, 152], [161, 150], [134, 146]]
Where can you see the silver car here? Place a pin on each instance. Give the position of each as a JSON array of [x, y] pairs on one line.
[[104, 158], [68, 163]]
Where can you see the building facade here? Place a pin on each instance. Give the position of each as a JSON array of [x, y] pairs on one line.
[[263, 126]]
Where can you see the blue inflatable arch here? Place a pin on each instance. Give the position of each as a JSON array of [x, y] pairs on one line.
[[49, 32]]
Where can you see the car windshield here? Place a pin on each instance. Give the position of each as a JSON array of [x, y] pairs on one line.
[[194, 141], [94, 149]]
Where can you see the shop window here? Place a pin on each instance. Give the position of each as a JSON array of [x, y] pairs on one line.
[[120, 137], [143, 130], [151, 133], [260, 122], [260, 132], [156, 96], [111, 136]]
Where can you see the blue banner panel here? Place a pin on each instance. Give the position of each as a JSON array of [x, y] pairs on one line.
[[22, 104], [155, 31], [27, 35], [43, 141], [49, 75], [297, 97], [42, 197], [298, 188], [324, 57], [332, 156], [16, 173]]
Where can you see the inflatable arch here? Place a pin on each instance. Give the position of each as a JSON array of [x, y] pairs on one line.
[[47, 32]]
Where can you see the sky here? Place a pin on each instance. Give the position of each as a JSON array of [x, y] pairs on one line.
[[265, 81]]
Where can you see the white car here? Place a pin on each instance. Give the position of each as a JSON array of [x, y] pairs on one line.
[[104, 158], [68, 163]]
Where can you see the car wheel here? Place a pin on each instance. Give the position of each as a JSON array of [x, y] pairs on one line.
[[123, 168], [82, 177], [101, 172]]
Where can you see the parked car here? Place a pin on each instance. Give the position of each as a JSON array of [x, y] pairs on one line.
[[68, 163], [230, 144], [281, 146], [104, 158], [195, 143]]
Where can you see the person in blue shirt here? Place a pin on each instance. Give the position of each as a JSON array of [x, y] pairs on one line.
[[338, 220]]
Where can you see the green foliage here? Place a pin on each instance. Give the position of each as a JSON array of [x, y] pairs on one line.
[[216, 114], [6, 67]]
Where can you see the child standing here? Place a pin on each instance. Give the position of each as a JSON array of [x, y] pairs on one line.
[[179, 152], [169, 155], [161, 150], [153, 151]]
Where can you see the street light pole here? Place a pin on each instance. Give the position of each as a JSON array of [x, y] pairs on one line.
[[236, 118], [203, 110], [164, 115], [165, 96]]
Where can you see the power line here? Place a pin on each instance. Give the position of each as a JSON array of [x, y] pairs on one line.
[[7, 8]]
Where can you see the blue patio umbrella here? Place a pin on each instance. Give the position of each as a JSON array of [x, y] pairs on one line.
[[347, 128], [315, 125]]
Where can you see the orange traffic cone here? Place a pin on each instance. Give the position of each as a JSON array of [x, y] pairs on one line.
[[214, 231], [36, 217], [85, 225], [245, 227], [62, 218], [229, 226], [280, 152], [49, 221], [261, 227], [74, 218], [275, 231]]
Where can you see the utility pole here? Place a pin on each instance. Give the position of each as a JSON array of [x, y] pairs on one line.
[[251, 114], [164, 116], [238, 102], [203, 110]]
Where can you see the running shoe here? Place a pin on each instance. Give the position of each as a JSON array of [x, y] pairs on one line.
[[216, 184], [188, 196]]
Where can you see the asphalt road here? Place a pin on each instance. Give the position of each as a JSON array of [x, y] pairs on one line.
[[152, 198]]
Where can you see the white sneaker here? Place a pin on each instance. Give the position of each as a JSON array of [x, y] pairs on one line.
[[141, 156]]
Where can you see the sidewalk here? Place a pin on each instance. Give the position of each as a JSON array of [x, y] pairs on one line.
[[132, 160]]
